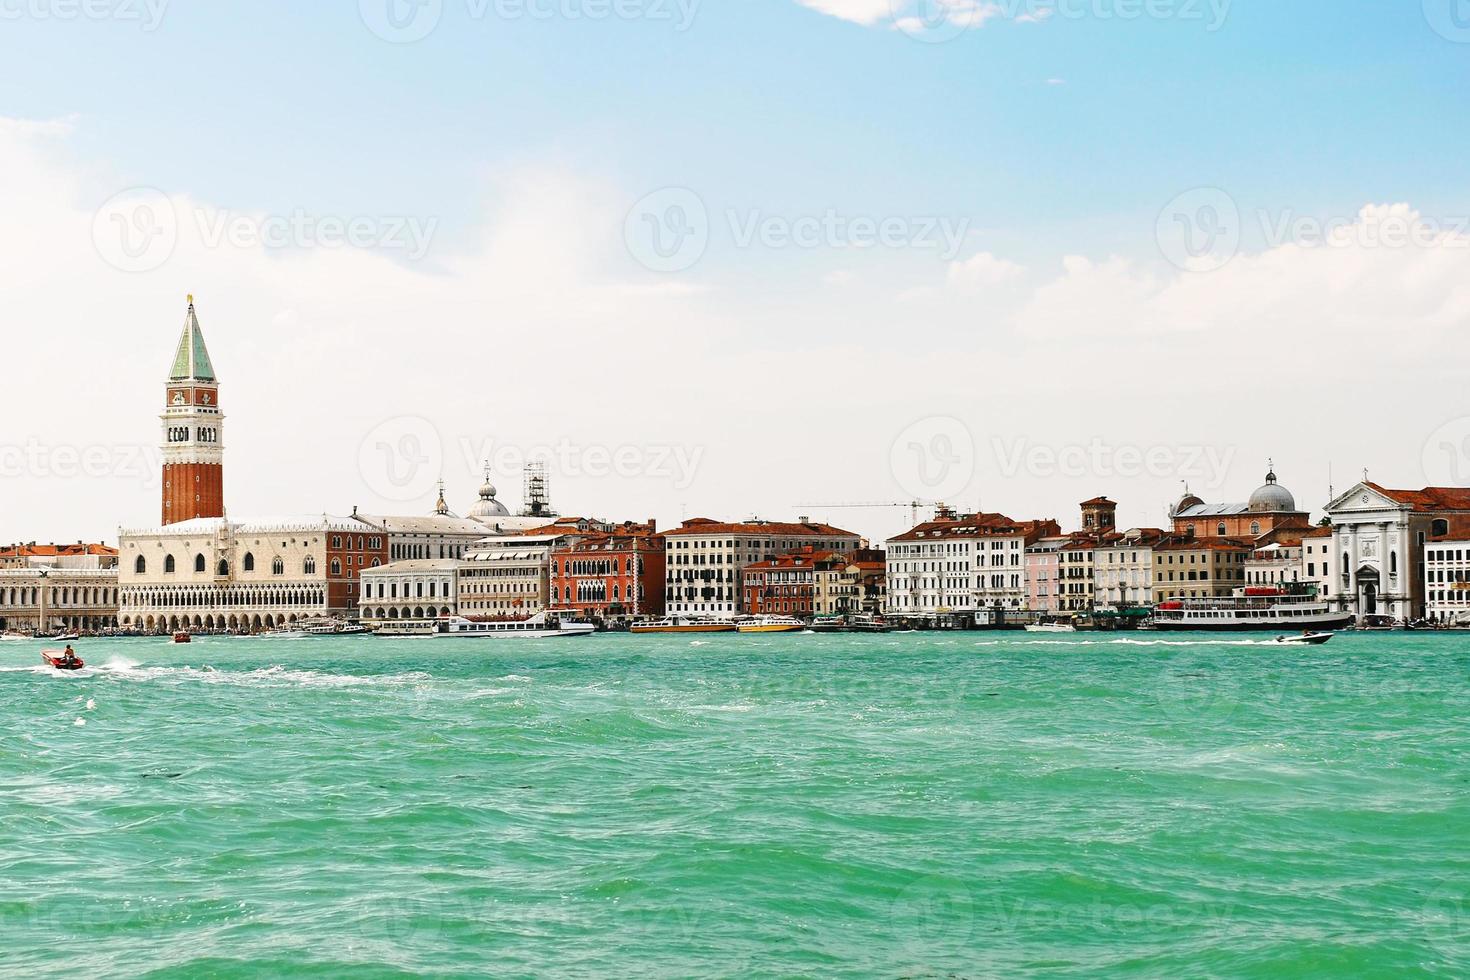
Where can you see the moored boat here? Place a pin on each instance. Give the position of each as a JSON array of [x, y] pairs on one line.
[[770, 624], [543, 626], [682, 624]]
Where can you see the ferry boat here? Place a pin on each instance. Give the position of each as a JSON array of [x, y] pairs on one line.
[[770, 624], [682, 624], [336, 629], [539, 627], [1275, 611]]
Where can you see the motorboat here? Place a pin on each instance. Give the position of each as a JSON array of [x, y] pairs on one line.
[[57, 659], [1051, 627], [770, 624], [183, 638], [1306, 639], [682, 624]]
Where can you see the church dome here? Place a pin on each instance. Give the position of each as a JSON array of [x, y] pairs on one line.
[[1187, 501], [488, 506], [1272, 498]]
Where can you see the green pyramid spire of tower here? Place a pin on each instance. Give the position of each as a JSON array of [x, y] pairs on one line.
[[191, 362]]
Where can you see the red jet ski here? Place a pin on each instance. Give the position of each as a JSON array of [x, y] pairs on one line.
[[58, 660]]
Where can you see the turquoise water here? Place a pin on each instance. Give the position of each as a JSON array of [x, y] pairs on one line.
[[919, 805]]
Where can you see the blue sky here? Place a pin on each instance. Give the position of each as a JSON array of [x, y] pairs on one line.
[[267, 104], [1054, 146]]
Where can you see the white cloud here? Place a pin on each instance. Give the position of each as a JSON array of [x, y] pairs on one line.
[[916, 17], [982, 269], [865, 12]]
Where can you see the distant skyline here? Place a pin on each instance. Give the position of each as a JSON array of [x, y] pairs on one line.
[[726, 260]]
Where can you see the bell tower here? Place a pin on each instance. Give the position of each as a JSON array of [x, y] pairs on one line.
[[193, 428]]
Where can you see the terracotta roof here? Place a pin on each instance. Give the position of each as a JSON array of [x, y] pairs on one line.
[[1205, 544], [981, 525], [703, 525], [1318, 532], [1428, 499], [1095, 502], [57, 551]]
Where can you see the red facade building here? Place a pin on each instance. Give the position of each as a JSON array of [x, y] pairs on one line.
[[782, 586], [613, 574]]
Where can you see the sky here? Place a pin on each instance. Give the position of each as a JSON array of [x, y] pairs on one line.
[[735, 259]]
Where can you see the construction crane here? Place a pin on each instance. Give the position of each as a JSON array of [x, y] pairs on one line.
[[914, 506]]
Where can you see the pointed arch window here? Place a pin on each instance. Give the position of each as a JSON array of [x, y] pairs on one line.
[[336, 567], [223, 569], [278, 567], [310, 565], [249, 563], [169, 565], [140, 567], [199, 564]]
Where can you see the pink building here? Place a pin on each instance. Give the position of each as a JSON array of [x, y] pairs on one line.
[[1043, 574]]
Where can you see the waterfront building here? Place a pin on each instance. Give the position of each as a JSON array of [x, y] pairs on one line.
[[45, 588], [1199, 568], [850, 584], [1099, 515], [705, 558], [1274, 565], [1043, 574], [1269, 507], [1123, 568], [610, 574], [1379, 538], [508, 576], [1076, 570], [973, 567], [783, 586], [1447, 578], [193, 432], [1317, 559], [216, 574], [413, 589]]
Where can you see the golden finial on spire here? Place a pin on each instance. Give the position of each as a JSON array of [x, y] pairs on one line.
[[191, 299]]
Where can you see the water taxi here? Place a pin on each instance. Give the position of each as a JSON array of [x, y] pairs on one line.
[[681, 624], [770, 624], [1054, 626], [543, 626]]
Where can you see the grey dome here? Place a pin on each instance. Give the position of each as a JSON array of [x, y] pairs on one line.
[[1272, 498], [488, 506]]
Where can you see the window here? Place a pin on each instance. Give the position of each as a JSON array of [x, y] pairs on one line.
[[199, 564], [249, 563], [1440, 527], [169, 565], [336, 567], [223, 569], [1220, 529], [309, 566], [1255, 527], [278, 567], [140, 567]]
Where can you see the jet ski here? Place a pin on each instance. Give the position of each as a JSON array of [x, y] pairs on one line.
[[58, 660]]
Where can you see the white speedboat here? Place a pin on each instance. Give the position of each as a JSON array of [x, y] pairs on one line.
[[1305, 639], [283, 633], [1051, 628], [770, 624]]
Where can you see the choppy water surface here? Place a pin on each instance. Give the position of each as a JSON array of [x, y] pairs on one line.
[[944, 804]]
